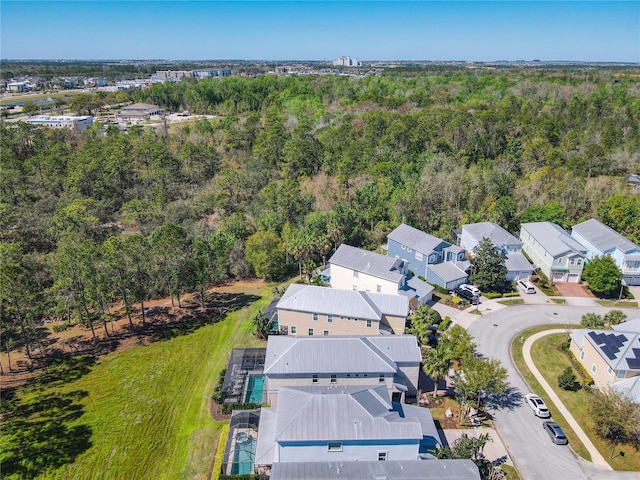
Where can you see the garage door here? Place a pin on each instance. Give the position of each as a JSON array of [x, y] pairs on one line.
[[558, 276], [574, 278]]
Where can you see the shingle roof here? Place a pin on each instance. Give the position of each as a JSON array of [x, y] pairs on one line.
[[371, 263], [306, 355], [396, 470], [603, 237], [553, 238], [498, 235], [418, 240], [345, 303], [447, 271]]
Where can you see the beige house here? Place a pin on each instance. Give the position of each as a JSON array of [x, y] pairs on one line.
[[352, 268], [389, 360], [307, 310], [139, 112], [612, 357]]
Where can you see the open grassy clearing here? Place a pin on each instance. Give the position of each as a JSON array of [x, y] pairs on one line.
[[518, 360], [551, 362], [31, 97], [142, 413]]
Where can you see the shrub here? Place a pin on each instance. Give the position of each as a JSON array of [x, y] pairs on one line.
[[456, 300], [444, 324], [421, 278], [217, 392], [61, 327], [440, 289], [614, 317], [491, 295], [586, 378], [567, 379], [222, 441], [511, 294], [592, 320], [229, 407]]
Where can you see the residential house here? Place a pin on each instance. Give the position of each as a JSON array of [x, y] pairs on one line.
[[392, 361], [600, 240], [518, 267], [352, 268], [396, 470], [556, 253], [138, 112], [342, 424], [23, 86], [311, 310], [437, 261], [612, 357]]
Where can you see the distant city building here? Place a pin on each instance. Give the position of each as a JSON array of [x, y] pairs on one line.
[[174, 74], [18, 86], [347, 62], [211, 72], [62, 121]]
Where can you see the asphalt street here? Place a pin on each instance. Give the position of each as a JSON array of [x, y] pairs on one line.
[[531, 449]]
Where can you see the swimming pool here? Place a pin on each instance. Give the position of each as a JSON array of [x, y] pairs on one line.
[[243, 457], [255, 387]]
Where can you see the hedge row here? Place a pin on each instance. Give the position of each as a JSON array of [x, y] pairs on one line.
[[229, 407]]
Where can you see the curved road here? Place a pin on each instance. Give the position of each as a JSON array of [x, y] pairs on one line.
[[529, 446]]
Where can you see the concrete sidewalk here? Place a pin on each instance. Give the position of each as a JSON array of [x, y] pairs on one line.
[[596, 458]]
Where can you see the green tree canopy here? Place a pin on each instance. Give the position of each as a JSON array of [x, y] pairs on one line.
[[422, 318], [265, 252], [489, 271], [603, 275]]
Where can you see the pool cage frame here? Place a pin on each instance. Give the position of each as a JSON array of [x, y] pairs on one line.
[[242, 363], [243, 429]]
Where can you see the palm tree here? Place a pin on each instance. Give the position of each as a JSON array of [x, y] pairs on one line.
[[436, 364]]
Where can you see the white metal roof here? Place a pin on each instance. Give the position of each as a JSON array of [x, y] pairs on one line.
[[553, 238], [494, 232], [418, 240], [603, 237], [447, 271], [517, 262], [371, 263]]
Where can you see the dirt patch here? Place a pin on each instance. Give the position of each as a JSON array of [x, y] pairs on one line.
[[573, 290], [163, 321]]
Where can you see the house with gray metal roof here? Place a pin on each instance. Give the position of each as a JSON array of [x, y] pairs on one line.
[[391, 470], [437, 261], [612, 357], [392, 361], [341, 423], [312, 310], [518, 267], [352, 268], [599, 239], [556, 253]]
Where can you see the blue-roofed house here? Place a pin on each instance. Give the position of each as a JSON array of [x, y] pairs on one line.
[[556, 253], [518, 267], [612, 357], [352, 268], [599, 239], [341, 423], [438, 261]]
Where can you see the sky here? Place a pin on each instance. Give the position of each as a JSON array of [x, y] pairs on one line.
[[470, 30]]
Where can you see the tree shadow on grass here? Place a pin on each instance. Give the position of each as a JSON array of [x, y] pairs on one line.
[[40, 432]]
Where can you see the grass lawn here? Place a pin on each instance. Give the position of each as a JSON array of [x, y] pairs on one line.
[[139, 414], [617, 303], [559, 301], [30, 97], [514, 301], [551, 362]]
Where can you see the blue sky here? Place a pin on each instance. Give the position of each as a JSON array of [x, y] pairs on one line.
[[317, 30]]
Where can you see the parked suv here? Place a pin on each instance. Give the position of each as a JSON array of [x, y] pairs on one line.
[[555, 432], [468, 291]]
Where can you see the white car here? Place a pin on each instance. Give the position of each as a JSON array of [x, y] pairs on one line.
[[537, 405]]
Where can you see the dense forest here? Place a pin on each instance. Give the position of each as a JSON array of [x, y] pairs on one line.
[[289, 168]]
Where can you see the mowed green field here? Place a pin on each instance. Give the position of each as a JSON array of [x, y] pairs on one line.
[[139, 414]]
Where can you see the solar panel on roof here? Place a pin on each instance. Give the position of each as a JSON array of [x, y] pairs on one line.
[[636, 352], [634, 363], [611, 354]]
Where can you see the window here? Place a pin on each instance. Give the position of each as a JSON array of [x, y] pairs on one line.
[[594, 369], [334, 378], [403, 247], [314, 378], [355, 273], [293, 330], [311, 332], [355, 287], [418, 256], [315, 317], [326, 333], [368, 323], [609, 371], [621, 373], [409, 250], [573, 261], [330, 318], [378, 288], [334, 446], [582, 355], [579, 261], [382, 456], [381, 377]]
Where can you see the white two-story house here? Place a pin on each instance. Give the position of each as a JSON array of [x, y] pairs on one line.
[[600, 240], [352, 268], [518, 267], [556, 253]]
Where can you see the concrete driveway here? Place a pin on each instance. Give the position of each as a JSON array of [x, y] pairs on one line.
[[528, 445], [573, 290]]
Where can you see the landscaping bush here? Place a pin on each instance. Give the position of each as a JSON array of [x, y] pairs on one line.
[[229, 407], [440, 289], [587, 381], [250, 476], [567, 379], [444, 324], [456, 300], [217, 392], [222, 440], [511, 294], [421, 278], [491, 295]]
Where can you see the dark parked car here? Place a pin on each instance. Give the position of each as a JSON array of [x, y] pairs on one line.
[[555, 432]]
